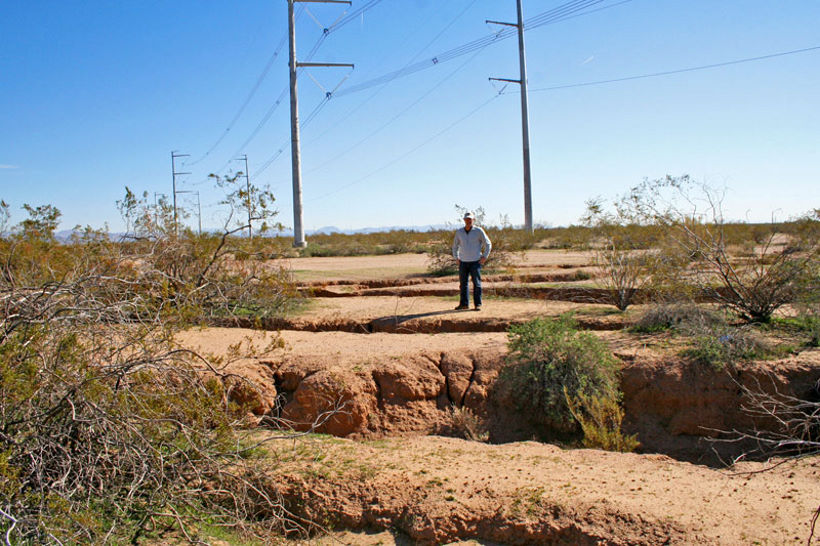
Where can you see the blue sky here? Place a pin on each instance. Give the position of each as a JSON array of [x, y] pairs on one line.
[[95, 96]]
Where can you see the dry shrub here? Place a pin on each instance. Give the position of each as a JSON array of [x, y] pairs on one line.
[[464, 423], [626, 266], [680, 316], [600, 419], [773, 274], [109, 430], [506, 241]]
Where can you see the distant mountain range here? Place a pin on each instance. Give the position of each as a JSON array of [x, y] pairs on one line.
[[333, 229], [65, 235]]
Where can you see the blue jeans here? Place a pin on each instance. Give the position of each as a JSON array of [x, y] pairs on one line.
[[473, 270]]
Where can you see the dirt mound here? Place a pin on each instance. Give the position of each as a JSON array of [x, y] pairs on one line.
[[438, 490]]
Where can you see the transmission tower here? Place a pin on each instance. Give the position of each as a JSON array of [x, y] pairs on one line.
[[174, 175]]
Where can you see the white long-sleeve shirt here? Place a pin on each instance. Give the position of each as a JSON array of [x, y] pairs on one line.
[[471, 246]]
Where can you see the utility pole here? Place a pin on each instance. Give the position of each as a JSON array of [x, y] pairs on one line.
[[248, 200], [174, 175], [525, 116], [298, 229]]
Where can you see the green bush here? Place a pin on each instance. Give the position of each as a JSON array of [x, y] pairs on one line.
[[600, 420], [549, 357], [812, 326]]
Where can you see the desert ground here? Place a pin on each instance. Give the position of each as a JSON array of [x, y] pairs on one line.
[[379, 342]]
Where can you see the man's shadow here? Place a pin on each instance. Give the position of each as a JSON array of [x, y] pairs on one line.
[[395, 320]]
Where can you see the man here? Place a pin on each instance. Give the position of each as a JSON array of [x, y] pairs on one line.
[[471, 248]]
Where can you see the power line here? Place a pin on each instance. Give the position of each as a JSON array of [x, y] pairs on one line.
[[352, 16], [250, 96], [379, 90], [410, 152], [398, 115], [268, 162], [555, 15], [247, 100], [678, 71], [313, 50]]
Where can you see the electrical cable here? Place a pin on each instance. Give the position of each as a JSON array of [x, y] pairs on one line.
[[352, 16], [559, 13], [310, 117], [316, 46], [677, 71], [346, 116], [408, 153], [247, 101], [398, 115], [555, 15], [250, 95]]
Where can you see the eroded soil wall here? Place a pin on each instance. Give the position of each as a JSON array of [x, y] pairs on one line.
[[672, 405]]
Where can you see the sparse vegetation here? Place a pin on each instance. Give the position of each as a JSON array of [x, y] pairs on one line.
[[679, 316], [109, 431], [623, 252], [506, 241], [781, 268], [724, 346]]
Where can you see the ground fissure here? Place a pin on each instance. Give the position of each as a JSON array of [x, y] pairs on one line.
[[345, 349]]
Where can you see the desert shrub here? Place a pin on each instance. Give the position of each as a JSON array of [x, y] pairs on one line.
[[622, 254], [440, 261], [600, 419], [108, 428], [723, 346], [570, 237], [795, 430], [205, 276], [464, 423], [772, 274], [806, 325], [624, 273], [548, 357], [811, 324], [682, 316]]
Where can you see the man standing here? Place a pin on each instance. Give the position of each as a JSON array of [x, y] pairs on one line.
[[471, 248]]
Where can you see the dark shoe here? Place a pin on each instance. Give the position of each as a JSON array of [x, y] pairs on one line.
[[462, 307], [478, 308]]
